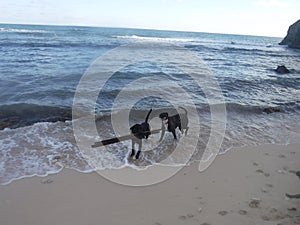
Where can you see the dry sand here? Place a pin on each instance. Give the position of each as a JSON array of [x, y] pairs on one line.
[[244, 186]]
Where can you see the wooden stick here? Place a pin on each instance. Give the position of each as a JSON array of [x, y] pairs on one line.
[[119, 139]]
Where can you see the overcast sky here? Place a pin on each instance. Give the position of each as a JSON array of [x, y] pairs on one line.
[[255, 17]]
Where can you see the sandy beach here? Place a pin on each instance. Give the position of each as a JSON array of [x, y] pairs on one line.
[[244, 186]]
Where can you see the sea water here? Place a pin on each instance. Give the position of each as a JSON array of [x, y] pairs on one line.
[[41, 67]]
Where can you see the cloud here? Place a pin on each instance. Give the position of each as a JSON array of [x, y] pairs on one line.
[[272, 3]]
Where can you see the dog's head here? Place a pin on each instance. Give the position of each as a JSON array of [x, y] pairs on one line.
[[164, 117]]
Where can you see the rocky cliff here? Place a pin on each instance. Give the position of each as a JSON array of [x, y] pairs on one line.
[[292, 38]]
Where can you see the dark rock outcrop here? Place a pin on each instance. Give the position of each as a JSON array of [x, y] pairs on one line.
[[271, 110], [292, 38], [282, 70]]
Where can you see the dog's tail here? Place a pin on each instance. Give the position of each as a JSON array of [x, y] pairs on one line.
[[147, 117], [183, 109]]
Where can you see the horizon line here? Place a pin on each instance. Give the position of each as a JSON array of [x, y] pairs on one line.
[[136, 28]]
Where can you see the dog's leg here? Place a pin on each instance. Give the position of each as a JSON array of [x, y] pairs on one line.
[[180, 128], [174, 134], [132, 148], [163, 130], [140, 148], [186, 130]]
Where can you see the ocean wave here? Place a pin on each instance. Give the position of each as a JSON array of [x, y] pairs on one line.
[[57, 45], [46, 147], [154, 39], [22, 114], [26, 31], [245, 49]]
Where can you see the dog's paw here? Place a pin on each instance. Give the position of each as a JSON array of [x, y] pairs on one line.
[[138, 155], [132, 153]]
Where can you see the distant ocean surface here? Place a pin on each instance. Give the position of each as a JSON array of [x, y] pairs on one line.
[[41, 66]]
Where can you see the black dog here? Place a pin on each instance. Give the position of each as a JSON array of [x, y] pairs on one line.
[[140, 131], [179, 120]]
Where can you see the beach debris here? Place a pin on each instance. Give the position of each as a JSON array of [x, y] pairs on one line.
[[254, 203], [282, 69], [223, 213]]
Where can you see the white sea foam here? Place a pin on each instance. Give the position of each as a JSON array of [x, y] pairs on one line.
[[154, 39], [12, 30]]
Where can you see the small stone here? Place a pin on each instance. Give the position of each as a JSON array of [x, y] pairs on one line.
[[282, 69]]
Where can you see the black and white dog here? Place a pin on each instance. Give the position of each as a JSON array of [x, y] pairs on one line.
[[140, 131], [179, 120]]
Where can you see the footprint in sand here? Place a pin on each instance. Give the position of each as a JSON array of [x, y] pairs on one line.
[[182, 217], [262, 172], [273, 215], [223, 213], [259, 171], [254, 203], [242, 212], [47, 181]]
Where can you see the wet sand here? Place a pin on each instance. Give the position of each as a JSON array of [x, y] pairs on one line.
[[244, 186]]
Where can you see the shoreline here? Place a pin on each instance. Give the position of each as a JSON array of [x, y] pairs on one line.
[[244, 186]]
